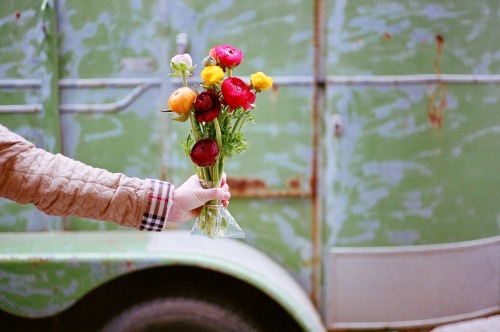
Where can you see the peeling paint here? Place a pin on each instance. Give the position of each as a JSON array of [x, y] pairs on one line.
[[411, 163]]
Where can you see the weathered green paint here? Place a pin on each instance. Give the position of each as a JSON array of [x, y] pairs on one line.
[[28, 45], [391, 178], [281, 138], [393, 37], [96, 38], [57, 268]]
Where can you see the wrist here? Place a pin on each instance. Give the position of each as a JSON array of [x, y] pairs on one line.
[[159, 203]]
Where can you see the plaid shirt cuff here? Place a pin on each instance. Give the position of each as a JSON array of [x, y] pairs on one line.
[[159, 203]]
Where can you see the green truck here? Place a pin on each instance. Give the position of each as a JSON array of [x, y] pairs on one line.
[[368, 193]]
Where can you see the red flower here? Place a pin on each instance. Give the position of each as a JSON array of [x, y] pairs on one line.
[[227, 56], [206, 106], [236, 93], [204, 152]]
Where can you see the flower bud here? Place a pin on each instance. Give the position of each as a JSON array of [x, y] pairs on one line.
[[260, 81], [204, 152], [180, 63], [212, 75], [209, 61], [181, 100]]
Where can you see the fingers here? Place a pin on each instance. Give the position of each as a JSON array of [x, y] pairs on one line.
[[205, 195], [190, 196], [223, 185], [222, 194]]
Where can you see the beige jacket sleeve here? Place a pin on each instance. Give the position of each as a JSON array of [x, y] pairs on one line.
[[61, 186]]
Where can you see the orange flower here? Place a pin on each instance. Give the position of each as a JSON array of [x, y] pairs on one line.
[[181, 100]]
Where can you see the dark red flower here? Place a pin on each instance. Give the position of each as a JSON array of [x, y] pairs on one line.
[[227, 56], [236, 93], [206, 106], [204, 152]]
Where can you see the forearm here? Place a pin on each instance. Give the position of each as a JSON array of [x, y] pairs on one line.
[[58, 185]]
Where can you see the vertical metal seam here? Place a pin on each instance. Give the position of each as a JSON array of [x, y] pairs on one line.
[[55, 7], [319, 87]]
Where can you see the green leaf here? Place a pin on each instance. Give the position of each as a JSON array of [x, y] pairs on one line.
[[182, 117]]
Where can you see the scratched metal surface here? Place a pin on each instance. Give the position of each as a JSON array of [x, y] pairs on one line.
[[416, 163], [25, 54], [129, 141], [407, 169], [111, 39], [39, 279], [99, 40], [280, 140]]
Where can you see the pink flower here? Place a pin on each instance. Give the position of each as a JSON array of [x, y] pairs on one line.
[[206, 106], [227, 56], [236, 93], [204, 152]]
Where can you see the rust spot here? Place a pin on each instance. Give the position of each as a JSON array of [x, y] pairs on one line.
[[437, 62], [387, 36], [130, 265], [39, 261], [242, 185], [439, 40], [274, 93], [17, 14], [437, 104], [257, 188], [294, 183], [438, 101]]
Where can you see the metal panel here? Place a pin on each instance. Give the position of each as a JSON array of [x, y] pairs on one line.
[[113, 67], [271, 181], [416, 85], [29, 75], [65, 267], [413, 286]]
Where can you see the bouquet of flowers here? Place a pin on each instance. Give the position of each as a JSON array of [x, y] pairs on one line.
[[217, 115]]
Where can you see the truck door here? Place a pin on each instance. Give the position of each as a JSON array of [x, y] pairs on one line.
[[29, 95]]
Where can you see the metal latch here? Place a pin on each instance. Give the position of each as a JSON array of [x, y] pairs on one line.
[[337, 125]]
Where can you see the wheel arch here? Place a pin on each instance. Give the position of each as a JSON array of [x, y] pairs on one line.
[[110, 259], [250, 266], [179, 280]]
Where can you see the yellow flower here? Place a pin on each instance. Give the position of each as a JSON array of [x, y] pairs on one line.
[[261, 81], [212, 75], [181, 100]]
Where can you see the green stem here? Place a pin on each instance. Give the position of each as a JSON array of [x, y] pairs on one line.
[[206, 175], [215, 176], [184, 78], [222, 115], [194, 126], [238, 125], [218, 138], [218, 134]]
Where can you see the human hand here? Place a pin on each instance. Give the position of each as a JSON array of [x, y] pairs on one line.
[[189, 197]]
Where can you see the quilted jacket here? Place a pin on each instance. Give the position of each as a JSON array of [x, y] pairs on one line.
[[61, 186]]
